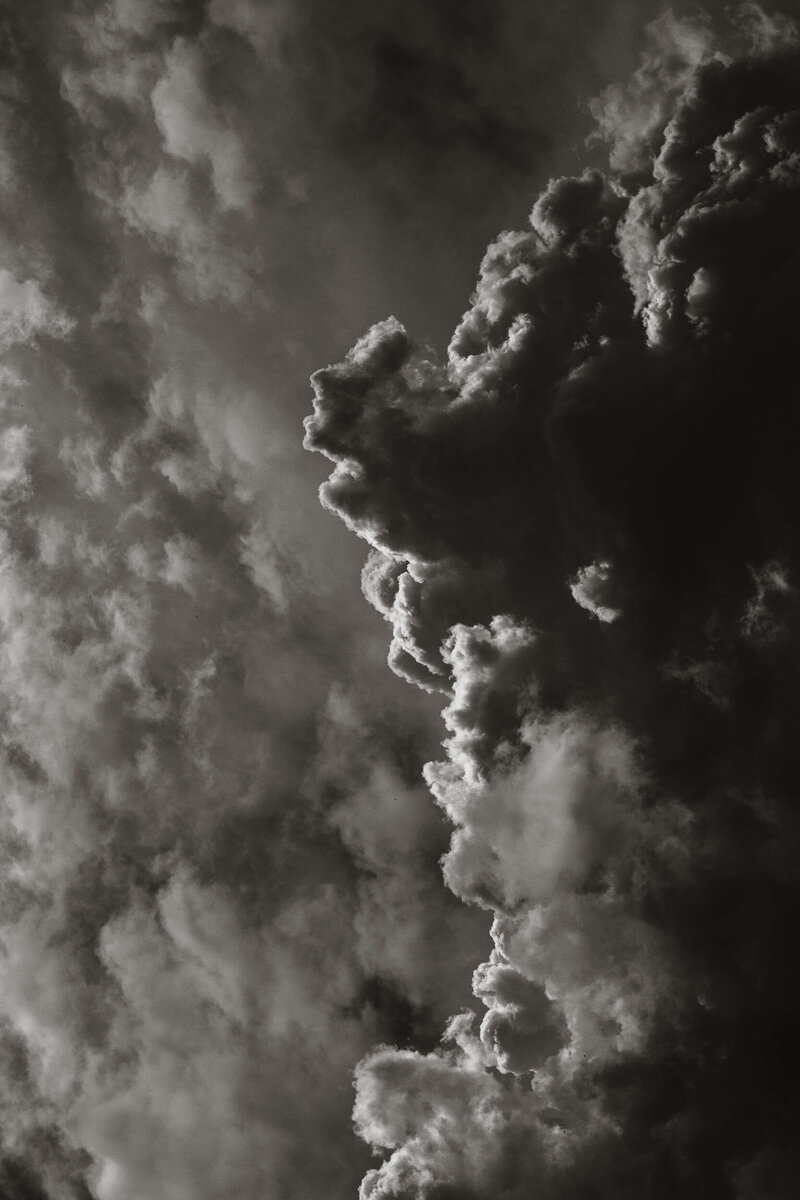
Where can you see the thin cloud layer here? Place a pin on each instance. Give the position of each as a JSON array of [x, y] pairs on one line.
[[584, 533]]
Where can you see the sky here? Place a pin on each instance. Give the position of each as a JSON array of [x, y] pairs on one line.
[[399, 639]]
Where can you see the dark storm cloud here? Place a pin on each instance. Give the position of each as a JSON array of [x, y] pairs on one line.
[[584, 530]]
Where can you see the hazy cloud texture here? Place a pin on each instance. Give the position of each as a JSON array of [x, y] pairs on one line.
[[222, 884]]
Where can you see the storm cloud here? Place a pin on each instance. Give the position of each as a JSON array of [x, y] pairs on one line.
[[584, 534]]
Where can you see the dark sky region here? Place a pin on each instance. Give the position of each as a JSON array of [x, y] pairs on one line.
[[540, 909]]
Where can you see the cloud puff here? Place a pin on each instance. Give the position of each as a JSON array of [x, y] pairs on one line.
[[589, 589], [193, 131], [26, 311]]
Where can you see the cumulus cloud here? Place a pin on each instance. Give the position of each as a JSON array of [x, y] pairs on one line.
[[622, 789], [590, 588]]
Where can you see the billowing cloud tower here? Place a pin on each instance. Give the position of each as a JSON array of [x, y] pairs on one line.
[[585, 533]]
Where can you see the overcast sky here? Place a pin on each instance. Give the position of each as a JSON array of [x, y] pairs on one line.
[[526, 894]]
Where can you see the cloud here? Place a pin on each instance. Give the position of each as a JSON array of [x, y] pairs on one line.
[[196, 949], [621, 788], [192, 130], [221, 883], [589, 588], [25, 311]]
